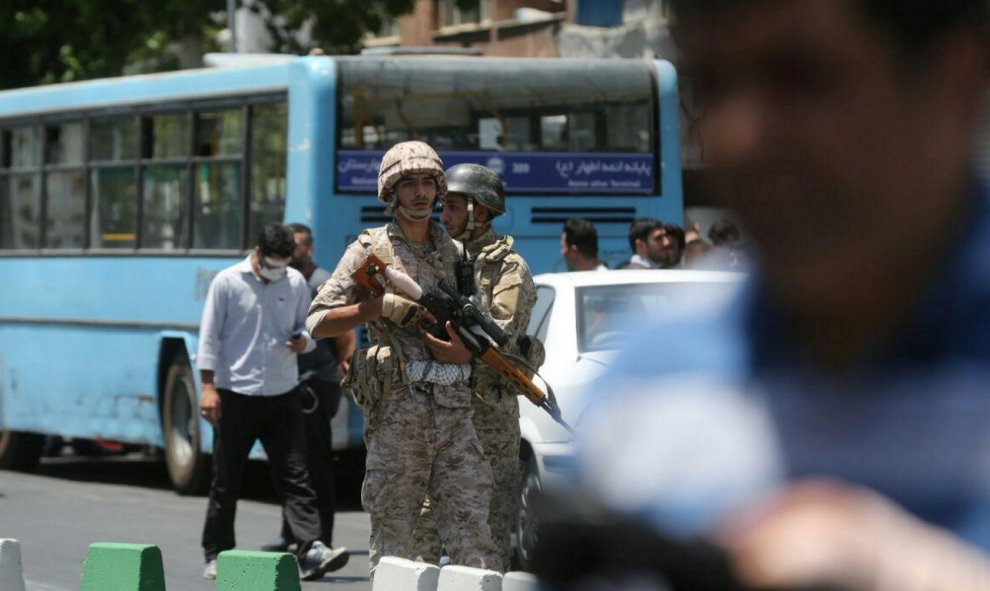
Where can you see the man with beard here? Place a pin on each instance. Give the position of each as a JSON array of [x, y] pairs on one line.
[[828, 428]]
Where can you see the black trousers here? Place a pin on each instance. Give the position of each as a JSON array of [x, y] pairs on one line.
[[277, 422], [319, 399]]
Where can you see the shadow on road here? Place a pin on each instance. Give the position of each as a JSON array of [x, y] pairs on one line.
[[137, 470]]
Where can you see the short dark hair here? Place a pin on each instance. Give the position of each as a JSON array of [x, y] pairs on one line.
[[676, 232], [304, 230], [583, 235], [640, 230], [276, 239], [913, 24]]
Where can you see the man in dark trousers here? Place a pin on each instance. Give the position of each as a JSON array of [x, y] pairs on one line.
[[253, 326], [320, 372]]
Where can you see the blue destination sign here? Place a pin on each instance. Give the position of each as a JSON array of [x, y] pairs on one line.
[[533, 172]]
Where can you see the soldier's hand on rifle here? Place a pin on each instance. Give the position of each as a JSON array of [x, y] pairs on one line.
[[452, 351], [404, 312]]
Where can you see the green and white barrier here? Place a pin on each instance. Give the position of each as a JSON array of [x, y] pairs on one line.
[[11, 575], [123, 567], [241, 570], [465, 578], [399, 574]]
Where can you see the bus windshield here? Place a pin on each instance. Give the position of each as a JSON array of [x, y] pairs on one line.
[[546, 126]]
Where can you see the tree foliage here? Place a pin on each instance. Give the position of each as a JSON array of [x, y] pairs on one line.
[[336, 26], [47, 41]]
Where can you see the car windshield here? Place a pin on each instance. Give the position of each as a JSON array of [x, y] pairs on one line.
[[606, 314]]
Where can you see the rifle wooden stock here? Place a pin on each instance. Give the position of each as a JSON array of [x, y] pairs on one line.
[[495, 360], [370, 275]]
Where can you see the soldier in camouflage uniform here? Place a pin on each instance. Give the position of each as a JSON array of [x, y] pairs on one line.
[[474, 197], [412, 387]]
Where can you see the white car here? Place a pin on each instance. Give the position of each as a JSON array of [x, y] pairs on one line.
[[583, 318]]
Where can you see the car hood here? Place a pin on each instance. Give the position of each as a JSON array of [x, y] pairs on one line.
[[570, 384]]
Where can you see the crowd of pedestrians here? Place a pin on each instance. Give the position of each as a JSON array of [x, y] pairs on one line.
[[658, 245]]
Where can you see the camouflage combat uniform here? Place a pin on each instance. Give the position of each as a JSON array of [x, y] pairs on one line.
[[509, 294], [419, 436]]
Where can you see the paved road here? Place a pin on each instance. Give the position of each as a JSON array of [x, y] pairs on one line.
[[69, 503]]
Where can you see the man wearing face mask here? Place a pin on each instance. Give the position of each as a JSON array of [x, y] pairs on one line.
[[320, 372], [253, 326], [412, 387]]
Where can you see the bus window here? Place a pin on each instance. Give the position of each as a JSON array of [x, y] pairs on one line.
[[217, 209], [25, 147], [269, 138], [220, 133], [65, 144], [565, 127], [65, 187], [166, 203], [20, 189], [113, 157], [65, 209], [114, 223], [170, 136], [113, 141]]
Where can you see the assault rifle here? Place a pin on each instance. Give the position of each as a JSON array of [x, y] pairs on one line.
[[476, 329]]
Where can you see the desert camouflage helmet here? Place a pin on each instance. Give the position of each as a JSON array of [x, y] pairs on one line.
[[479, 182], [409, 158]]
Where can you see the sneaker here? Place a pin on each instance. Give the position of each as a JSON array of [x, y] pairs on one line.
[[210, 572], [279, 545], [320, 560]]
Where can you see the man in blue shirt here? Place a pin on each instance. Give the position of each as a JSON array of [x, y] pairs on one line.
[[253, 326], [830, 427]]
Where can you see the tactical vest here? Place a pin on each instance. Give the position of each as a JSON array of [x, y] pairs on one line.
[[488, 269], [488, 265], [379, 370]]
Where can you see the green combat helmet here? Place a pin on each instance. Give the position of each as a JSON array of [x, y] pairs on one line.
[[412, 157], [476, 183], [479, 183]]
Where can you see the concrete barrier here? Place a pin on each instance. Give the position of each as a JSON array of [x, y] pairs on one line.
[[11, 575], [399, 574], [520, 581], [241, 570], [123, 567], [465, 578]]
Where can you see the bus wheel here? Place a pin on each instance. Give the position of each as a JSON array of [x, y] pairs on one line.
[[20, 451], [188, 467]]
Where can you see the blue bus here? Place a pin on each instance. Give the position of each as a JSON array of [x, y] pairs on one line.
[[120, 199]]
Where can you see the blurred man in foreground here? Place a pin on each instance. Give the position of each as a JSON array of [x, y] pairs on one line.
[[828, 428]]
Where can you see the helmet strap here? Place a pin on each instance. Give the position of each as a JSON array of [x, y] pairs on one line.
[[471, 224], [470, 218]]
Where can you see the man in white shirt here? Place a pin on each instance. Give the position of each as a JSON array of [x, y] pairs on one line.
[[253, 326]]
